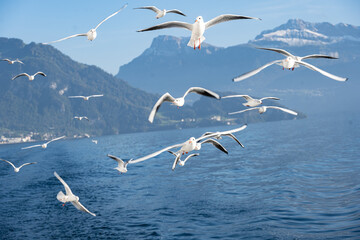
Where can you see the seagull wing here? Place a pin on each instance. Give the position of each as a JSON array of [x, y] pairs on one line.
[[6, 59], [202, 91], [175, 161], [55, 139], [273, 98], [164, 98], [282, 109], [233, 137], [76, 96], [172, 153], [342, 79], [317, 56], [176, 11], [80, 207], [225, 18], [278, 50], [216, 144], [119, 160], [17, 60], [152, 8], [27, 164], [39, 145], [246, 97], [245, 110], [8, 162], [67, 188], [234, 130], [99, 95], [21, 74], [40, 73], [191, 155], [110, 16], [62, 39], [155, 153], [173, 24], [255, 71]]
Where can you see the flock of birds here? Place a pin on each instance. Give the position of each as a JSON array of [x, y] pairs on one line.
[[192, 144]]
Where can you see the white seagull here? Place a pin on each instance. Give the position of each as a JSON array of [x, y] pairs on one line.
[[291, 62], [185, 147], [12, 61], [181, 100], [44, 145], [95, 141], [86, 98], [17, 169], [179, 161], [122, 166], [251, 102], [70, 197], [81, 118], [161, 13], [218, 135], [263, 109], [91, 34], [198, 28], [30, 77], [197, 147]]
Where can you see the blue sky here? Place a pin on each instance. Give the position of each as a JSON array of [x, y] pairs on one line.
[[118, 42]]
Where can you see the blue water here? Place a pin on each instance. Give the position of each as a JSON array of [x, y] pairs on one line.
[[294, 180]]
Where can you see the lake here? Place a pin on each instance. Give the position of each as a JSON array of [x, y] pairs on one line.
[[295, 179]]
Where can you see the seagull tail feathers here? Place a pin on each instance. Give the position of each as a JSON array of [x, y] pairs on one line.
[[195, 42]]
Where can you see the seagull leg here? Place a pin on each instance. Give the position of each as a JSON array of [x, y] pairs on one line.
[[199, 44], [63, 205], [283, 68], [194, 45], [293, 69]]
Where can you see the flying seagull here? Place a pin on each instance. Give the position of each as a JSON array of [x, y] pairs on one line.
[[86, 98], [91, 34], [81, 118], [94, 141], [198, 28], [122, 166], [181, 100], [161, 13], [12, 61], [44, 145], [179, 161], [251, 102], [17, 169], [263, 109], [291, 62], [185, 147], [30, 77], [70, 197], [218, 135]]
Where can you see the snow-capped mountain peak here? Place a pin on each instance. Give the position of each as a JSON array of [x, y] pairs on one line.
[[297, 32]]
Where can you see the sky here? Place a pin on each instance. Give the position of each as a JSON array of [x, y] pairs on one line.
[[118, 42]]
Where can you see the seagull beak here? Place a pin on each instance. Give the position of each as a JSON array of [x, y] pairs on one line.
[[189, 141], [195, 20]]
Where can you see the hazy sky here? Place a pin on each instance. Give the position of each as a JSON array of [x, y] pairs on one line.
[[118, 42]]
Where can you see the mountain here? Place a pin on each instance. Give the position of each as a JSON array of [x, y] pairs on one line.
[[168, 65], [42, 106], [297, 32]]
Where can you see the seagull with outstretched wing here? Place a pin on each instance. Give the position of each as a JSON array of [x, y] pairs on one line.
[[291, 62], [198, 28]]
